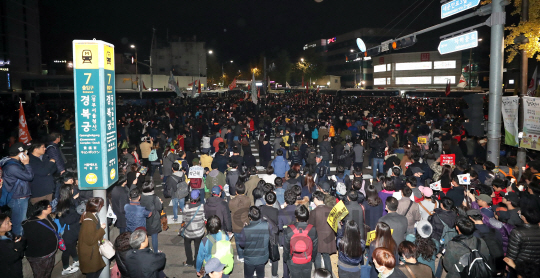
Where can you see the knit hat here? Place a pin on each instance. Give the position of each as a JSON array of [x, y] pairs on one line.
[[485, 198], [195, 161], [428, 192], [424, 228]]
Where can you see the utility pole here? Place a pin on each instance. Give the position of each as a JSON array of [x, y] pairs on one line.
[[522, 152], [495, 80], [152, 54], [264, 76]]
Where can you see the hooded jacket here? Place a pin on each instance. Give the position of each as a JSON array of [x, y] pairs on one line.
[[16, 177], [281, 166], [217, 206], [455, 250], [448, 216]]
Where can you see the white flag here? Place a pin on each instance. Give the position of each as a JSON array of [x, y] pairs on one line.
[[462, 83], [436, 186], [464, 179], [254, 90]]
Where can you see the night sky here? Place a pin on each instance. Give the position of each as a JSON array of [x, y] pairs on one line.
[[234, 30]]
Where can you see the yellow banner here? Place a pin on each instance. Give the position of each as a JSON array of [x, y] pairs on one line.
[[108, 55], [338, 212], [371, 236], [422, 140]]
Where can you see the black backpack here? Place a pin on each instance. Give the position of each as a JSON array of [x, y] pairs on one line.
[[434, 147], [473, 264]]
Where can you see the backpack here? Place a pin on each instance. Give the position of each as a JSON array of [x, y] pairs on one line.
[[290, 140], [180, 190], [273, 243], [474, 264], [301, 245], [295, 157], [153, 155], [502, 174], [340, 185], [195, 183], [211, 182], [311, 157], [447, 234], [222, 250], [495, 247]]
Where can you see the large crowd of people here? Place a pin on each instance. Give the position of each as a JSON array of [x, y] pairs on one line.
[[256, 183]]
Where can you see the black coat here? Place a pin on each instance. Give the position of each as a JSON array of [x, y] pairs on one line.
[[153, 223], [119, 198], [217, 206], [220, 163], [524, 243], [43, 182], [11, 255], [145, 263]]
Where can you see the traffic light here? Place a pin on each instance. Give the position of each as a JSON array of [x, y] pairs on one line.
[[373, 51], [475, 114], [405, 42]]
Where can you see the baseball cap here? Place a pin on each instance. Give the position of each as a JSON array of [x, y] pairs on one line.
[[216, 190], [473, 212], [485, 198], [511, 196], [141, 228], [428, 192], [416, 170], [319, 156], [195, 194], [213, 265], [195, 161], [17, 148], [424, 228], [325, 185]]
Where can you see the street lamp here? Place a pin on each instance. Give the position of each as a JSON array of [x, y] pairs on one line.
[[210, 52], [136, 67], [232, 61], [302, 60]]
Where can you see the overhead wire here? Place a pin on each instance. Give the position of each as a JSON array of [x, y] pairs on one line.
[[415, 18]]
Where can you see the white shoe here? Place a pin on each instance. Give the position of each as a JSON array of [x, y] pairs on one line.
[[75, 264], [368, 167], [240, 260], [70, 270]]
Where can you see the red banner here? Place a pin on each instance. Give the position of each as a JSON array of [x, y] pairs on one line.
[[24, 135], [448, 159]]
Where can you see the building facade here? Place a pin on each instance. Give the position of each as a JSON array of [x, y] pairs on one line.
[[20, 43], [422, 70], [182, 58]]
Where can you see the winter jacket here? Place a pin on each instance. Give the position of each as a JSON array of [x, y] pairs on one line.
[[88, 249], [71, 219], [356, 213], [220, 162], [449, 218], [168, 161], [383, 194], [16, 177], [54, 152], [455, 250], [378, 147], [254, 239], [239, 207], [215, 177], [196, 228], [373, 214], [206, 161], [413, 215], [431, 261], [524, 244], [326, 150], [144, 263], [43, 182], [315, 134], [205, 144], [217, 206], [153, 204], [265, 152], [119, 198], [11, 257], [41, 241], [295, 157], [146, 148], [318, 218], [281, 166], [285, 217], [398, 223], [205, 250], [231, 179], [135, 216]]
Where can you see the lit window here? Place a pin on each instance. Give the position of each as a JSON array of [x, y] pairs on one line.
[[379, 81], [444, 79], [444, 64], [388, 67], [379, 68], [413, 66], [413, 80]]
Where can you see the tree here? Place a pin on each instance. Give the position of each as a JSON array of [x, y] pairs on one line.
[[310, 66], [283, 69], [529, 29]]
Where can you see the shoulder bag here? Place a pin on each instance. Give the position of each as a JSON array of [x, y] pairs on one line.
[[106, 248], [61, 244]]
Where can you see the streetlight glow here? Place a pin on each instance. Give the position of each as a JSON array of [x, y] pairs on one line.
[[302, 60], [232, 61], [132, 46], [210, 52], [352, 50]]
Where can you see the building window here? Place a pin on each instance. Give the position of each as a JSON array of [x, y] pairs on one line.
[[444, 79], [379, 68], [414, 66], [388, 67], [388, 81], [444, 64], [413, 80], [379, 81]]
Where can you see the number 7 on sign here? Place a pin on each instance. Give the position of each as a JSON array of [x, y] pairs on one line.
[[109, 78], [89, 75]]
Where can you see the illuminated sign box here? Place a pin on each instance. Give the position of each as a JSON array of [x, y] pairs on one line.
[[414, 66], [444, 64], [413, 80], [379, 81], [444, 79], [379, 68]]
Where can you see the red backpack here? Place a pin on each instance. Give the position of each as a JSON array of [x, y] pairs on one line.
[[195, 183], [301, 245]]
